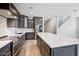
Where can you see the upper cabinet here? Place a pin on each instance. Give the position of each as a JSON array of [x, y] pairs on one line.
[[30, 23], [11, 22], [22, 21]]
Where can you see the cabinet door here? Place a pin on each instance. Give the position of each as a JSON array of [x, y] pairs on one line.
[[65, 51], [5, 51], [38, 40], [45, 49], [20, 23], [30, 35], [30, 23]]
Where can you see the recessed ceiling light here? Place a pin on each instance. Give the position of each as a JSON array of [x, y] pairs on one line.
[[74, 10], [31, 12], [9, 13], [14, 17]]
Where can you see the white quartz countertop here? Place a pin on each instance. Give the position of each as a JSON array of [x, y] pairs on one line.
[[55, 41], [4, 43], [17, 35]]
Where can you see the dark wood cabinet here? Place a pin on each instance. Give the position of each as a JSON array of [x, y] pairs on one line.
[[44, 48], [20, 21], [6, 50], [14, 47], [30, 35], [18, 45], [11, 22]]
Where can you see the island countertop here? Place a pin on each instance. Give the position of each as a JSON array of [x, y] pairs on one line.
[[4, 43], [55, 41]]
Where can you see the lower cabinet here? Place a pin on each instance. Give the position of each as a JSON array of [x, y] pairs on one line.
[[44, 48], [5, 51], [18, 45], [13, 48], [30, 35]]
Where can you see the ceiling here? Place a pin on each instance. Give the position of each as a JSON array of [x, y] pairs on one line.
[[48, 9]]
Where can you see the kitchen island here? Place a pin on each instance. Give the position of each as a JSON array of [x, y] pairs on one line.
[[56, 45]]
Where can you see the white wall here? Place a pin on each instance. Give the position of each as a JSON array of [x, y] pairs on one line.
[[50, 25], [3, 26], [69, 28]]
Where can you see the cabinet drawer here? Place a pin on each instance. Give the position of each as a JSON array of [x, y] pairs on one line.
[[19, 44]]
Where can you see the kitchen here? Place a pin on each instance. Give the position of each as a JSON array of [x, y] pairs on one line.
[[17, 30]]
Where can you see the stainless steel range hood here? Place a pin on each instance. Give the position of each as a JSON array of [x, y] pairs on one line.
[[6, 14], [8, 10]]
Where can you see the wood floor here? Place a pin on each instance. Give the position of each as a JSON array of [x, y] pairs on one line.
[[30, 48]]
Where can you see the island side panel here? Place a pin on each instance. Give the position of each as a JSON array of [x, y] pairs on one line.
[[65, 51]]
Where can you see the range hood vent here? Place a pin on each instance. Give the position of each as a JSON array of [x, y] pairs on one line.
[[10, 7]]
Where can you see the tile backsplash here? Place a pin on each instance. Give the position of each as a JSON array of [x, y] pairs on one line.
[[3, 26], [11, 31]]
